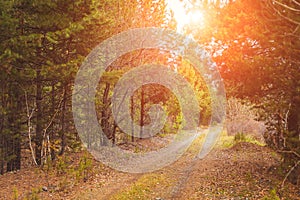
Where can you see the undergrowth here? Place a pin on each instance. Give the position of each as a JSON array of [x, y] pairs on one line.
[[142, 189], [226, 141]]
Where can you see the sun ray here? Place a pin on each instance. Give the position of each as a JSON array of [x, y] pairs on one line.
[[185, 14]]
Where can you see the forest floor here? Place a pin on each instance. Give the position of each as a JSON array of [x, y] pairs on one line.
[[231, 171]]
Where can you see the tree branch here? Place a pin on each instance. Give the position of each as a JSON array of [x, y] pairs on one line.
[[286, 6], [296, 2], [291, 152], [290, 171], [286, 18]]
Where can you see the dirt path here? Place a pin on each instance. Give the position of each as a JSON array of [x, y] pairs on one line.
[[241, 172], [244, 171]]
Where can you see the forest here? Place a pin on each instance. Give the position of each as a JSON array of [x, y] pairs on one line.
[[253, 44]]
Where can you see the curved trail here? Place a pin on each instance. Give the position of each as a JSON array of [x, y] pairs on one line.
[[239, 172]]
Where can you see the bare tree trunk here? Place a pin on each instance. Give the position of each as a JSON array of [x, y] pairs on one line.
[[2, 141], [13, 138], [62, 121], [51, 135], [39, 128], [17, 136], [132, 119], [142, 114], [1, 164], [114, 134], [1, 153], [104, 114]]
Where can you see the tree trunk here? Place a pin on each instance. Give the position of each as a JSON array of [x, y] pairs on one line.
[[13, 136], [52, 151], [2, 138], [39, 115], [104, 114], [132, 119], [62, 122], [293, 140], [142, 114], [114, 134]]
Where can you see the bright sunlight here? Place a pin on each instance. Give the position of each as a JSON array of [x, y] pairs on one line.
[[186, 15]]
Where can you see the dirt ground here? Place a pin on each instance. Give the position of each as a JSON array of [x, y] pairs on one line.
[[244, 171]]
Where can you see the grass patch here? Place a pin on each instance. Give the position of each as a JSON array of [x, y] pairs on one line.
[[226, 141], [242, 137], [272, 195], [142, 188]]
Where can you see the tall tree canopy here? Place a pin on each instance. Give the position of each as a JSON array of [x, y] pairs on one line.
[[260, 61]]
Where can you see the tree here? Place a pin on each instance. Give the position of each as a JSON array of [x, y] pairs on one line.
[[42, 46], [256, 46], [259, 42]]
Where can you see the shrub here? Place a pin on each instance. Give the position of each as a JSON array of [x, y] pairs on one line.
[[242, 118]]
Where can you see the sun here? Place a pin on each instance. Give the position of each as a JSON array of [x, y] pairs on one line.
[[185, 15], [195, 17]]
